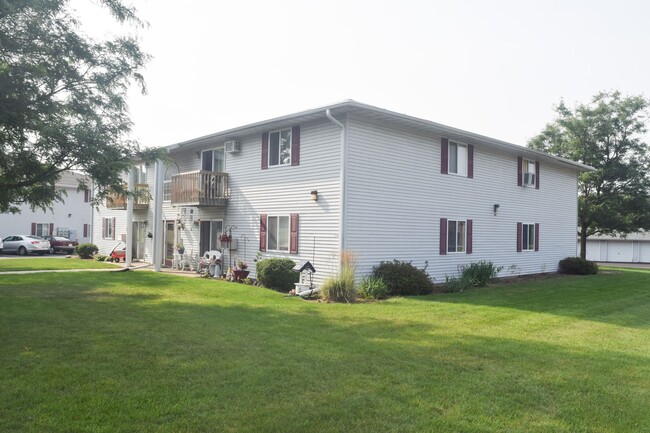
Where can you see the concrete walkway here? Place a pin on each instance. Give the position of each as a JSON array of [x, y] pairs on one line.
[[119, 268]]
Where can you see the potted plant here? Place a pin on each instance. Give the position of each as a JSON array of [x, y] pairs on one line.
[[180, 248], [225, 238], [240, 271]]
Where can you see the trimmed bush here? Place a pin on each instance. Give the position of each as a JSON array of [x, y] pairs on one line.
[[403, 279], [87, 251], [577, 266], [341, 288], [372, 287], [277, 274]]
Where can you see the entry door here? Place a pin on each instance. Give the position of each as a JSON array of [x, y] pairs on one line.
[[168, 245], [209, 236], [137, 249]]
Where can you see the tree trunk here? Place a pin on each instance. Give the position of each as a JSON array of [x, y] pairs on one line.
[[583, 241]]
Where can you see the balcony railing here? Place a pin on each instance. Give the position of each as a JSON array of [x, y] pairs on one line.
[[115, 201], [200, 188]]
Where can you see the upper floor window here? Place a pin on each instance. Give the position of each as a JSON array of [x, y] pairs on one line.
[[457, 158], [213, 160], [527, 172], [281, 147], [172, 169], [140, 173]]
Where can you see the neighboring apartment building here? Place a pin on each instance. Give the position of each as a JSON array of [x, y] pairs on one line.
[[71, 218], [351, 176]]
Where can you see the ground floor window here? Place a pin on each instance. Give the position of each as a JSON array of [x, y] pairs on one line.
[[279, 233], [108, 228], [41, 229], [527, 237], [456, 236]]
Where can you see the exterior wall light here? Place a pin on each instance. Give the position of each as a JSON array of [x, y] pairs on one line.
[[314, 195], [496, 209]]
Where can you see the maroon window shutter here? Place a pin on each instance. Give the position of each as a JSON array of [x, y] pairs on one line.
[[520, 168], [443, 236], [265, 151], [113, 233], [444, 156], [468, 248], [520, 229], [103, 228], [536, 174], [263, 232], [85, 230], [293, 244], [470, 161], [536, 237], [33, 229], [86, 196], [51, 229], [295, 145]]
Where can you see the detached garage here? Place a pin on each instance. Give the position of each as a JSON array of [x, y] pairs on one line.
[[633, 249]]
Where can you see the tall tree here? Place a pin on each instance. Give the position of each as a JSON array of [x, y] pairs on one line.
[[63, 101], [607, 134]]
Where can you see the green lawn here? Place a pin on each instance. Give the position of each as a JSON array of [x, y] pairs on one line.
[[139, 351], [38, 264]]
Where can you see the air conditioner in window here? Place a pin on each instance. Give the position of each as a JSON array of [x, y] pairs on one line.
[[529, 179], [232, 146]]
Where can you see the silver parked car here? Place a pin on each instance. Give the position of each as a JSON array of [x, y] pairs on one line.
[[23, 244]]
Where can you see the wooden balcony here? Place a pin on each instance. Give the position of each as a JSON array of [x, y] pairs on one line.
[[200, 188], [115, 201]]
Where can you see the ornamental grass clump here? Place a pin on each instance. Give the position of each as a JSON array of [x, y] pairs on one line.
[[372, 288], [342, 287]]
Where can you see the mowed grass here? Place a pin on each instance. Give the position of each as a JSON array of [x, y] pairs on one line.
[[139, 351], [38, 264]]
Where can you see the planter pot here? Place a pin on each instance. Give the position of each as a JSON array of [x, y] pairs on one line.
[[240, 275]]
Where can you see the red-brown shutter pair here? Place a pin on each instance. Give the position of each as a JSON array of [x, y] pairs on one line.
[[295, 147]]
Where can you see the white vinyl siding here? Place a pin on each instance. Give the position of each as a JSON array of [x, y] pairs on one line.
[[395, 201]]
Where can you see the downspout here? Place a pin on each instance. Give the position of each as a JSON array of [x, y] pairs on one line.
[[128, 259], [158, 216], [342, 179]]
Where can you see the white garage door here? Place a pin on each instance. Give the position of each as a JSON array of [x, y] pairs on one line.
[[644, 252], [620, 251], [593, 250]]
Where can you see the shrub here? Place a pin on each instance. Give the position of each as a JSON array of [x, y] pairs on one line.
[[577, 266], [87, 251], [402, 278], [480, 273], [341, 288], [101, 258], [477, 274], [372, 287], [277, 274]]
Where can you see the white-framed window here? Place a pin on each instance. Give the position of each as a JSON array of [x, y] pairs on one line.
[[42, 229], [277, 233], [108, 228], [171, 170], [528, 237], [140, 173], [458, 158], [528, 170], [280, 147], [456, 236], [213, 160]]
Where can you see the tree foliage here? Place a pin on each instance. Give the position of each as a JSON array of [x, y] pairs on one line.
[[607, 134], [63, 101]]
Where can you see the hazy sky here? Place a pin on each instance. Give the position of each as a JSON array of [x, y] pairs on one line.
[[491, 67]]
